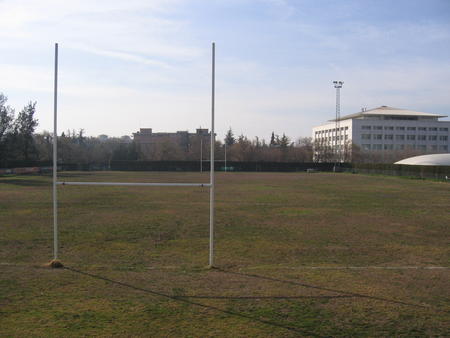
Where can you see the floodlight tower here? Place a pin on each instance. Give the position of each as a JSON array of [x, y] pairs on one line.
[[337, 136]]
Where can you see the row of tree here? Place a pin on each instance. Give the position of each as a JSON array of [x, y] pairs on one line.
[[18, 141]]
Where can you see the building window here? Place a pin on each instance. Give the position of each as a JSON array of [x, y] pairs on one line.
[[443, 129], [399, 128], [422, 137], [411, 128], [346, 128], [399, 137], [444, 148], [388, 128], [422, 128], [378, 127], [432, 129], [443, 138], [366, 127], [365, 136], [397, 146], [433, 147], [366, 146], [411, 137], [422, 147], [388, 137], [377, 147], [432, 138], [377, 136], [388, 146]]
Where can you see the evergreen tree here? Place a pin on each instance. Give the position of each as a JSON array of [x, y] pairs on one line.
[[80, 137], [284, 141], [6, 126], [229, 138], [272, 139], [24, 127]]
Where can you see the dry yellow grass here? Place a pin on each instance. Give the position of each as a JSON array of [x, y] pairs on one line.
[[135, 257]]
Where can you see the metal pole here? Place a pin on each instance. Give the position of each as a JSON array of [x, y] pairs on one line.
[[201, 154], [212, 181], [55, 159], [335, 132], [338, 121], [225, 156], [337, 153]]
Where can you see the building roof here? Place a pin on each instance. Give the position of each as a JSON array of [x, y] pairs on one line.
[[386, 110], [433, 159]]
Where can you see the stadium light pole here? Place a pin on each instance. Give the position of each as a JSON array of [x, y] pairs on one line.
[[338, 86], [212, 181]]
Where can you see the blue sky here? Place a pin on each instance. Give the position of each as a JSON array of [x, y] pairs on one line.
[[140, 63]]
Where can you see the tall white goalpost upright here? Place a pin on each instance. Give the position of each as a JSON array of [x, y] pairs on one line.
[[213, 143], [55, 158], [211, 183]]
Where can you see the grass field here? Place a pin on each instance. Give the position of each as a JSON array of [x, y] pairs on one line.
[[297, 255]]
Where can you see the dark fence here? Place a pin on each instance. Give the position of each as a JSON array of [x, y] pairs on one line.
[[435, 172], [175, 166], [24, 164], [49, 164], [416, 171], [219, 166]]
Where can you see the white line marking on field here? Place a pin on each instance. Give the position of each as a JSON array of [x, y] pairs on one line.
[[357, 267]]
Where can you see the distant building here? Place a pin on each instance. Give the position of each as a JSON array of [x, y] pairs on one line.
[[384, 129], [146, 138]]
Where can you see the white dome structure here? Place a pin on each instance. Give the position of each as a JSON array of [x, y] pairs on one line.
[[433, 159]]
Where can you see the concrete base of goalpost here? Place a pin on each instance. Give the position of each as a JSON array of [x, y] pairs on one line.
[[55, 264]]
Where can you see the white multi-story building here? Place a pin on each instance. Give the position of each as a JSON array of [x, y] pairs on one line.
[[383, 129]]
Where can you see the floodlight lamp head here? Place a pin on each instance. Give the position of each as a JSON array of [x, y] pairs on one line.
[[338, 84]]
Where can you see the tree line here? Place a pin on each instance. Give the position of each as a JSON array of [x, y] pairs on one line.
[[20, 142]]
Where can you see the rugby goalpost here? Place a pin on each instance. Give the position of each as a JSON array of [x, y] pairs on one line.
[[56, 263]]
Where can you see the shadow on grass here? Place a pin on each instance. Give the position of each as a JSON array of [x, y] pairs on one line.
[[344, 293], [25, 182], [185, 299]]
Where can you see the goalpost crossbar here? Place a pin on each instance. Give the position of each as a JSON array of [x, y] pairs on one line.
[[137, 184]]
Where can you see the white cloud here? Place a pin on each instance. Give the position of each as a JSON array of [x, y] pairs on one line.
[[131, 64]]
